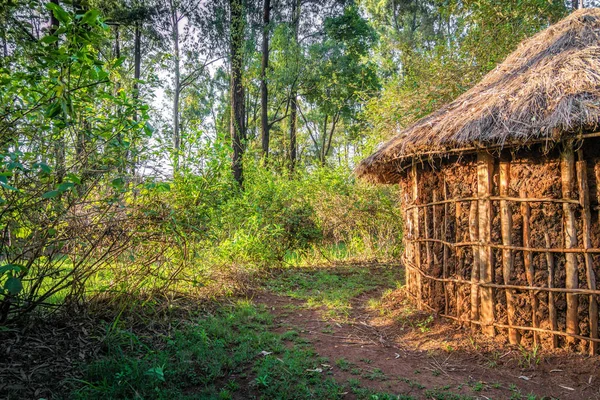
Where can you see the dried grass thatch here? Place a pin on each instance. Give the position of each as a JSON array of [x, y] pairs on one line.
[[547, 89]]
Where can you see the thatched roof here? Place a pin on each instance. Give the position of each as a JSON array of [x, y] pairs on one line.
[[549, 88]]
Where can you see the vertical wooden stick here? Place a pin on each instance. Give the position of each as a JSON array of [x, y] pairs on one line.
[[485, 169], [459, 258], [409, 245], [417, 255], [434, 287], [445, 249], [570, 235], [507, 255], [528, 261], [428, 283], [551, 301], [584, 199], [474, 237]]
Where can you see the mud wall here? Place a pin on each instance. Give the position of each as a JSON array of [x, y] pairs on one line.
[[444, 243]]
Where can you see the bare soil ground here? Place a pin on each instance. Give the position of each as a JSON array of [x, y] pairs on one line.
[[389, 355]]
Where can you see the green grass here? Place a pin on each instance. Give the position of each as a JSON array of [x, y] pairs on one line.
[[211, 358], [369, 394], [229, 353], [333, 288]]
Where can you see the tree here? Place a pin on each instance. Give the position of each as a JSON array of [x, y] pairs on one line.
[[296, 9], [338, 78], [237, 95], [264, 90]]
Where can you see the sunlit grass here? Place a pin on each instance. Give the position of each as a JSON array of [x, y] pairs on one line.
[[333, 288]]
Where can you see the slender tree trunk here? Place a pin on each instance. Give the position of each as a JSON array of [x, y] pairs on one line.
[[333, 125], [264, 90], [577, 4], [4, 43], [137, 63], [294, 92], [237, 126], [59, 145], [176, 90], [324, 140], [117, 42]]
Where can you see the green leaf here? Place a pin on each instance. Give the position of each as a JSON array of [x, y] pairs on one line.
[[53, 110], [148, 129], [49, 39], [51, 194], [118, 62], [58, 12], [118, 182], [156, 372], [43, 166], [10, 267], [8, 187], [13, 285], [74, 178], [90, 17], [63, 187]]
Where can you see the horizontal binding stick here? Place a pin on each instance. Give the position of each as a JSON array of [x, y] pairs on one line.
[[529, 328], [576, 291], [517, 248], [498, 198], [523, 328]]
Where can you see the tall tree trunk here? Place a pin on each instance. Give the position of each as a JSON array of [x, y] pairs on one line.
[[237, 126], [577, 4], [59, 144], [137, 63], [117, 42], [323, 141], [294, 92], [264, 90], [176, 89]]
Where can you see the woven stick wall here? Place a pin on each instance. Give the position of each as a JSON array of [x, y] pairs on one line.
[[508, 246]]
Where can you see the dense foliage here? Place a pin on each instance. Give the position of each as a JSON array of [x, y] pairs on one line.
[[119, 119]]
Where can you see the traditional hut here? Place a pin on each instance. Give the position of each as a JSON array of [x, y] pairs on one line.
[[499, 194]]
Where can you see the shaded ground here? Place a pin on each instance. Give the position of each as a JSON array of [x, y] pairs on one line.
[[343, 332]]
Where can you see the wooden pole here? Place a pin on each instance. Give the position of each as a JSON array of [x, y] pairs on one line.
[[460, 260], [551, 301], [528, 262], [437, 234], [445, 249], [474, 237], [417, 248], [570, 235], [507, 254], [584, 196], [409, 243], [485, 169]]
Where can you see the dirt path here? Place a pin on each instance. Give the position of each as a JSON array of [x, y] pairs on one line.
[[433, 360]]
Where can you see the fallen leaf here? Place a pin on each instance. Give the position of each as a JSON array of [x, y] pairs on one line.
[[315, 370], [566, 387]]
